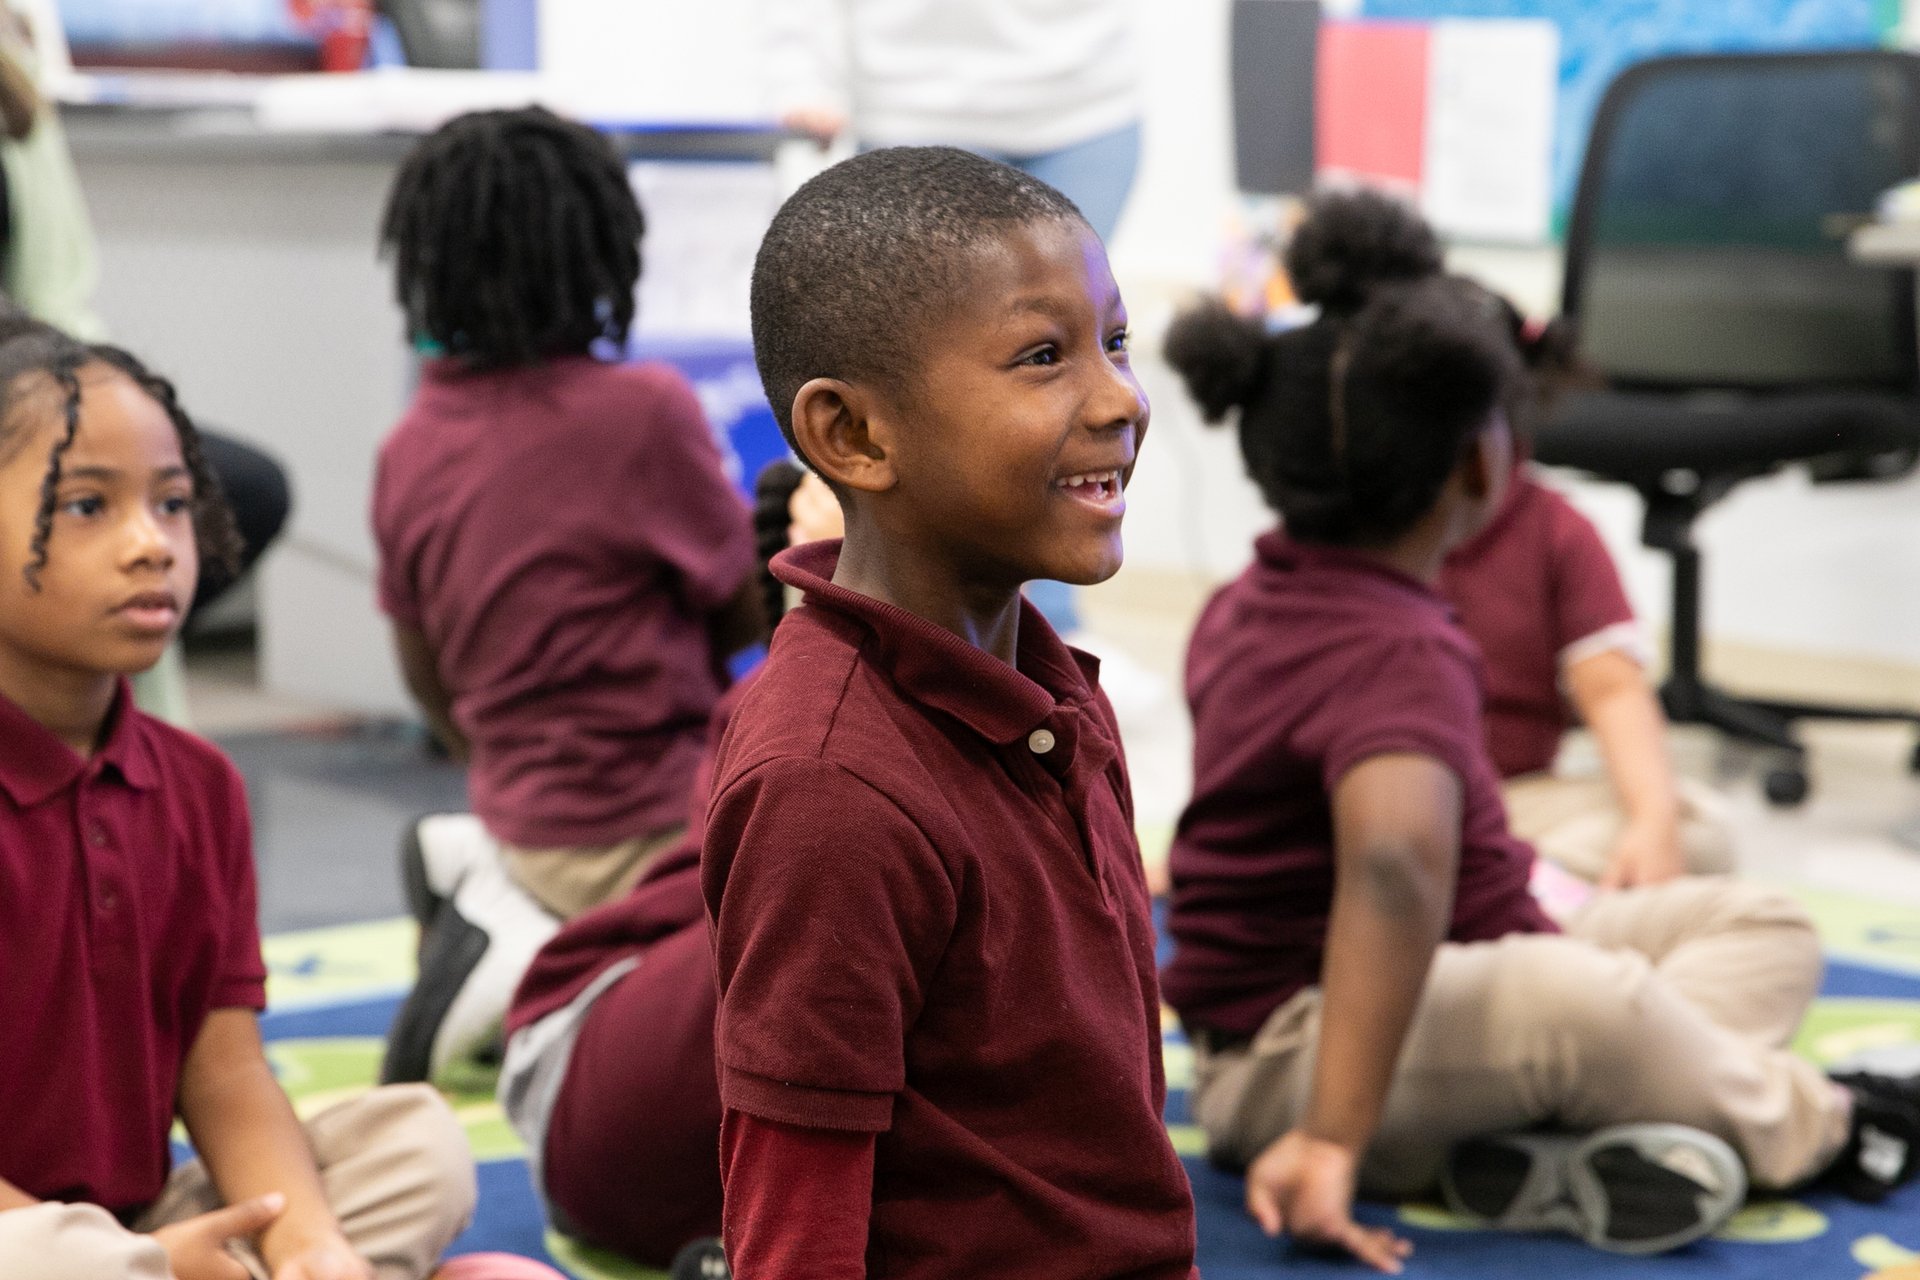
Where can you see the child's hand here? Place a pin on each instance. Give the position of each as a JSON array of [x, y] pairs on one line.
[[331, 1258], [197, 1248], [1303, 1186], [1647, 852]]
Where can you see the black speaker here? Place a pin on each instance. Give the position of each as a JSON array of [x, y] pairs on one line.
[[1273, 57]]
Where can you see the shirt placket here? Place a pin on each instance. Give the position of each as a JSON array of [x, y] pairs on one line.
[[109, 912]]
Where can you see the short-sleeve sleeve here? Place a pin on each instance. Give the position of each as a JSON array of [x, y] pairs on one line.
[[1588, 598], [1418, 696], [831, 913], [393, 579], [695, 520], [242, 980]]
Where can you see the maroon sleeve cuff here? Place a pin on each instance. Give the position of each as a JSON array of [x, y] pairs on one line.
[[799, 1203], [806, 1106], [240, 993]]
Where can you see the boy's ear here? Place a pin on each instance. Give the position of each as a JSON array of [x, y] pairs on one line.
[[838, 431]]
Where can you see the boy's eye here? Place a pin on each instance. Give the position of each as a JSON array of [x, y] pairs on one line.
[[176, 504], [91, 505], [1042, 356], [1121, 341]]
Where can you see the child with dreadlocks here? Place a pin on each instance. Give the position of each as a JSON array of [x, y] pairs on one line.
[[131, 951], [564, 560], [1374, 997]]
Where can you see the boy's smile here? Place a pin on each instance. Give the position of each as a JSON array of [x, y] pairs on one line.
[[121, 560], [1014, 439]]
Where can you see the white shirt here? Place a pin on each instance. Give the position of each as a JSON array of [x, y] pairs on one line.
[[1019, 77]]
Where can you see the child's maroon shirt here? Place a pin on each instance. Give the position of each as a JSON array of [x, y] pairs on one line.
[[562, 535], [1536, 589], [931, 924], [1312, 661], [128, 913]]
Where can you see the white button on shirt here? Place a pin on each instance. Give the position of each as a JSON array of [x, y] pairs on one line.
[[1040, 741]]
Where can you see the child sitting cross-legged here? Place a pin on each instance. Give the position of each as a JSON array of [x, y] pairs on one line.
[[1542, 600], [938, 1035], [1376, 1001], [131, 954], [564, 560]]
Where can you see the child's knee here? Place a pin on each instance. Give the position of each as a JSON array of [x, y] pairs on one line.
[[75, 1242], [425, 1133]]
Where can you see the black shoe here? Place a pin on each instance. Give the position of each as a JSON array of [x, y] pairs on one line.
[[1883, 1145], [702, 1260], [1629, 1188]]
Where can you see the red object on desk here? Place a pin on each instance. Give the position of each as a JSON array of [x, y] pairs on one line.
[[343, 28]]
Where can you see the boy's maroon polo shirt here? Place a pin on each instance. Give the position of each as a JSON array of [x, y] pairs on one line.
[[127, 909], [1532, 589], [930, 923], [1312, 661], [562, 535]]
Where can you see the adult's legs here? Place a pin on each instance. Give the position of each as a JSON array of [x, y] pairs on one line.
[[1537, 1029], [630, 1161]]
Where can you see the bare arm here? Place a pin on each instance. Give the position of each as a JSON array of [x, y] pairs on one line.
[[1613, 696], [420, 668], [12, 1197], [1396, 851], [245, 1131]]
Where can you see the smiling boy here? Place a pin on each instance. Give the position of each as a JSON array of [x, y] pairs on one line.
[[938, 1041]]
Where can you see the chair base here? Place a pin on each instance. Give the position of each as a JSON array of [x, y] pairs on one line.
[[1770, 723]]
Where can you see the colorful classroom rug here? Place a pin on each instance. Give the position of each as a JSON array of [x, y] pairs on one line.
[[333, 992]]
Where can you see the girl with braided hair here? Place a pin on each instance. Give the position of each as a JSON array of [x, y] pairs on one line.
[[134, 974], [562, 556]]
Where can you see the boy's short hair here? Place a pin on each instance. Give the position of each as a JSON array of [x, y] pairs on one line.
[[516, 238], [861, 258]]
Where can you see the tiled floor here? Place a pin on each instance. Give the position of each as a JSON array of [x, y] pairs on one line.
[[331, 795]]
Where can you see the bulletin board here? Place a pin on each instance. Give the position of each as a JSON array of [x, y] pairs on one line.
[[1600, 38]]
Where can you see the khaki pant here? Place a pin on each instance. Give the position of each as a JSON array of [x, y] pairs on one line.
[[1575, 821], [394, 1164], [1670, 1003], [572, 879]]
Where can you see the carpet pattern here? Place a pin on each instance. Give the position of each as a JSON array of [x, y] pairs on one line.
[[333, 991]]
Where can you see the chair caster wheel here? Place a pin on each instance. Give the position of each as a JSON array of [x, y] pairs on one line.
[[1786, 786]]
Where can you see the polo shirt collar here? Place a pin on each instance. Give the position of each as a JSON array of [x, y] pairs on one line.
[[38, 765], [1275, 550], [935, 667]]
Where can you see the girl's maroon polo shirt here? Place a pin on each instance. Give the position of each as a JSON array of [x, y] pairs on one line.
[[1310, 662], [930, 923], [127, 906], [1529, 589]]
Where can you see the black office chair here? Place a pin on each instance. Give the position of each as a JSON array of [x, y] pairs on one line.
[[1708, 275]]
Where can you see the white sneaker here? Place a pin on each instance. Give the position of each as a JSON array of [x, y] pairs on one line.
[[480, 934]]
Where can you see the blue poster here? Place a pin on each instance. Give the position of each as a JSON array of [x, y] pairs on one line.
[[1600, 38]]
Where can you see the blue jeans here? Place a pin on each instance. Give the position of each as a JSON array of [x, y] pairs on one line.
[[1096, 175]]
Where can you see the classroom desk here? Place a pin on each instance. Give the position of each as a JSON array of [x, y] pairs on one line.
[[242, 264]]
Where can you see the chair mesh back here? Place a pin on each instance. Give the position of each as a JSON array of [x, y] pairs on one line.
[[1708, 245]]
